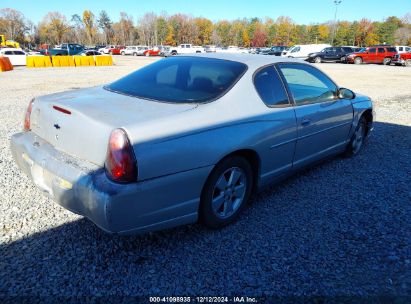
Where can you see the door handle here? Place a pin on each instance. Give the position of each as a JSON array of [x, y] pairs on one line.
[[305, 122]]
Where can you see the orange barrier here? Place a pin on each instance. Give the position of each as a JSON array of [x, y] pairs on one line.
[[5, 64]]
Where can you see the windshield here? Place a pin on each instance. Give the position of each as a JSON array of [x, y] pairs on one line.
[[181, 79]]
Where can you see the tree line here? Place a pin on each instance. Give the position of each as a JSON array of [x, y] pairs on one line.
[[151, 29]]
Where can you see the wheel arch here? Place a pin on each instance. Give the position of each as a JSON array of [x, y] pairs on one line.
[[369, 118]]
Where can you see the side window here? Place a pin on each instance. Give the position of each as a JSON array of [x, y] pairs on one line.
[[400, 49], [372, 51], [8, 53], [270, 88], [296, 49], [381, 50], [19, 53], [307, 84]]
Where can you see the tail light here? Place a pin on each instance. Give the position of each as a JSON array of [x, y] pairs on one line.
[[27, 116], [120, 165]]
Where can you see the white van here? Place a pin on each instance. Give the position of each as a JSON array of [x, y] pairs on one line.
[[302, 51]]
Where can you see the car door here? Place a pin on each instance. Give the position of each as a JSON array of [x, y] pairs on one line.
[[19, 57], [371, 56], [11, 56], [323, 120], [329, 54], [380, 55], [281, 132]]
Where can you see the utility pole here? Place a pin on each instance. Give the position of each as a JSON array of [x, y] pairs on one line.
[[336, 2]]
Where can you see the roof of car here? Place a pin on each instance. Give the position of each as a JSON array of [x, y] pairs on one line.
[[9, 49], [252, 60]]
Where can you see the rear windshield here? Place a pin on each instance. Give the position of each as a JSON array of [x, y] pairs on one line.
[[181, 79]]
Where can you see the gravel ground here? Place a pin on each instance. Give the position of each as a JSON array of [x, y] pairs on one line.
[[342, 228]]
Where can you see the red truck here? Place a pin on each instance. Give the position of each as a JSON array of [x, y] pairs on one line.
[[403, 59], [375, 54]]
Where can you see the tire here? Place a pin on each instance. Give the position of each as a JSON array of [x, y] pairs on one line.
[[173, 53], [148, 54], [317, 59], [358, 139], [386, 61], [358, 60], [407, 63], [223, 200], [134, 54], [122, 53], [343, 59]]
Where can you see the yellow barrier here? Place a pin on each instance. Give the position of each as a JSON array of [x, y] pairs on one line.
[[5, 64], [71, 62], [104, 60], [68, 61], [30, 62], [56, 61], [63, 61], [77, 60], [38, 61]]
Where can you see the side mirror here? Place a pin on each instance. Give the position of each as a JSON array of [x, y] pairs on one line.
[[344, 93]]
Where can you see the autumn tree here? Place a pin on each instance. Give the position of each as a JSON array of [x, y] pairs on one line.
[[53, 28], [204, 31], [259, 36], [89, 25], [162, 29], [105, 24], [223, 29], [285, 26], [12, 24]]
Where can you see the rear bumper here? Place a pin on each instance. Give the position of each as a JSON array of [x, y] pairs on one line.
[[83, 188]]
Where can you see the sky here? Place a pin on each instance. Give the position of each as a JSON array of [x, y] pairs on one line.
[[302, 12]]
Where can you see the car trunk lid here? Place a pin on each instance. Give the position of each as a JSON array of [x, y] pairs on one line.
[[79, 122]]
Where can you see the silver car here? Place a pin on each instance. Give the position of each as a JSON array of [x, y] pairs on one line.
[[186, 138]]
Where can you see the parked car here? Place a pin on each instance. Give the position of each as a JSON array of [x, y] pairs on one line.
[[355, 50], [112, 49], [90, 53], [66, 49], [302, 51], [129, 50], [210, 48], [231, 49], [375, 54], [403, 59], [185, 48], [330, 54], [137, 50], [193, 140], [16, 56], [160, 50], [275, 50], [403, 49]]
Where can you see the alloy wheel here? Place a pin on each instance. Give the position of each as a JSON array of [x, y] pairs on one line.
[[229, 192], [358, 140]]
